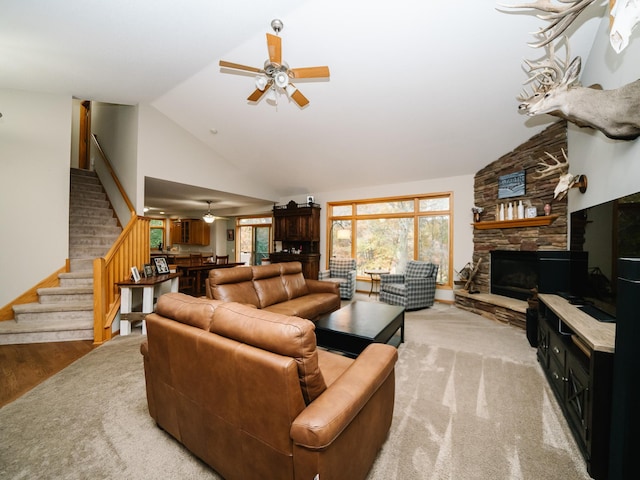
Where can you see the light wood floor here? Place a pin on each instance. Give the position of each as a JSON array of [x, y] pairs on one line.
[[22, 367]]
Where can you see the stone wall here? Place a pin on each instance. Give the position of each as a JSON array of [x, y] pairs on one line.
[[538, 192]]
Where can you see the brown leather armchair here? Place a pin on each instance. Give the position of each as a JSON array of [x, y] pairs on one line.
[[248, 392]]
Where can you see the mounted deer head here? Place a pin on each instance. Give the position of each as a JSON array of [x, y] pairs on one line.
[[557, 92]]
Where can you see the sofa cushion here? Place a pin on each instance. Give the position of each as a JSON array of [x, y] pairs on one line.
[[197, 312], [293, 280], [309, 306], [285, 335], [268, 285], [233, 285]]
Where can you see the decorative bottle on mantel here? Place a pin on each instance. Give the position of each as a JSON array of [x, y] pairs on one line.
[[510, 212], [502, 211], [520, 209]]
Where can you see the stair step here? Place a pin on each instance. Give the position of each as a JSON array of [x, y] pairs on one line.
[[77, 240], [12, 332], [65, 294], [38, 314], [77, 278], [89, 211], [80, 264], [95, 230], [79, 220], [87, 251]]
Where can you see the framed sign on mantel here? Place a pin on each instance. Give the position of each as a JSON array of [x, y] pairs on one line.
[[511, 185]]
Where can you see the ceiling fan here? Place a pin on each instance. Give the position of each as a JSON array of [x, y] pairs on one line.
[[276, 75]]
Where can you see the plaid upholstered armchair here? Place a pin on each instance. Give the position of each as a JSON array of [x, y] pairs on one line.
[[343, 272], [414, 290]]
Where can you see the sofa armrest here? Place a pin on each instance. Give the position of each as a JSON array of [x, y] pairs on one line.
[[144, 348], [327, 416], [391, 278], [324, 274], [317, 286]]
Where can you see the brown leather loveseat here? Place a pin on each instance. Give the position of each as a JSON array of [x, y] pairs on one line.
[[248, 392], [279, 287]]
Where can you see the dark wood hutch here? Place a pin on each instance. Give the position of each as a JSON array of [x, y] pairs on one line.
[[297, 227]]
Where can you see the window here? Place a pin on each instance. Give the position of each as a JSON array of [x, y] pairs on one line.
[[386, 233], [156, 237]]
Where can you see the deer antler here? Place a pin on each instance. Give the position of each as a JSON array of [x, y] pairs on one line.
[[547, 72], [546, 170], [561, 15]]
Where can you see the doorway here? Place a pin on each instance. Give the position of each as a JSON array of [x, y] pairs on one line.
[[255, 238]]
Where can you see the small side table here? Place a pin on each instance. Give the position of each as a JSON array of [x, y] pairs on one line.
[[148, 286], [375, 280]]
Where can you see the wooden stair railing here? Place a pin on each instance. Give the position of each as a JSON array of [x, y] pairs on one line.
[[131, 248]]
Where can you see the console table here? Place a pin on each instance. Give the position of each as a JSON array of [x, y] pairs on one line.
[[576, 354], [149, 288]]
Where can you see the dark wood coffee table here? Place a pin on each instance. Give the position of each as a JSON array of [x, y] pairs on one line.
[[358, 324]]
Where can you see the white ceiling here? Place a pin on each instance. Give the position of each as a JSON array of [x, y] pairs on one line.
[[418, 89]]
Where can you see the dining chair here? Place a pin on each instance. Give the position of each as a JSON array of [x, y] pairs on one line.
[[222, 259]]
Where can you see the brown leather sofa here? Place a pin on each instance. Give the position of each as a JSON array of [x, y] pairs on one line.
[[248, 392], [279, 287]]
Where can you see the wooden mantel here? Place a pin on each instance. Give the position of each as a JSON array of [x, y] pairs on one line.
[[522, 222]]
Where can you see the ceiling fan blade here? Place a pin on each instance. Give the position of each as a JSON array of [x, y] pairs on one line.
[[299, 98], [274, 43], [310, 72], [237, 66], [257, 94]]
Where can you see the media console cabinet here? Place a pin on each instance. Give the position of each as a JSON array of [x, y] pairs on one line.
[[576, 353]]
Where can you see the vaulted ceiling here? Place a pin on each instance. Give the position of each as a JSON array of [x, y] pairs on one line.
[[417, 89]]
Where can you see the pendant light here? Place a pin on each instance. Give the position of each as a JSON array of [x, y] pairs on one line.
[[208, 217]]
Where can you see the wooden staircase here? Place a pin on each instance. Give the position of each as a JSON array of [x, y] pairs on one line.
[[65, 312]]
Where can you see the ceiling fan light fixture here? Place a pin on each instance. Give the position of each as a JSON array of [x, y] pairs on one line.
[[281, 79], [261, 82]]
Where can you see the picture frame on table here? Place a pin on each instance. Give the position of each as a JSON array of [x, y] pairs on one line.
[[148, 270], [135, 274], [161, 265]]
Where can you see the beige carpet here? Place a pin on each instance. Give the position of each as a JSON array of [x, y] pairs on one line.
[[471, 403]]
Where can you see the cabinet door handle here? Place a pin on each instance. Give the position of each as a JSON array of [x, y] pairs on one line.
[[556, 350]]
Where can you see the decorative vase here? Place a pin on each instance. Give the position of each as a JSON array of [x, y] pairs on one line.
[[547, 209]]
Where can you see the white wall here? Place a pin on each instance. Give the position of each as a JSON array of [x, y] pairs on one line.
[[168, 152], [612, 166], [116, 127], [462, 188], [35, 139]]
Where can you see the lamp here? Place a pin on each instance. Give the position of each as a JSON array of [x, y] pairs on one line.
[[261, 83], [208, 217]]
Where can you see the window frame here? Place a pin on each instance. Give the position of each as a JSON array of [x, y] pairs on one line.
[[416, 215], [157, 227]]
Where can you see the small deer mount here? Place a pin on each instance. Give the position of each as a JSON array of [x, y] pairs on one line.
[[566, 181]]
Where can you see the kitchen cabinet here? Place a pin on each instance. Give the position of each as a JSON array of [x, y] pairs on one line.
[[190, 232]]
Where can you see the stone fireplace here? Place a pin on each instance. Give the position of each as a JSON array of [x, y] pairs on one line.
[[514, 236], [539, 192]]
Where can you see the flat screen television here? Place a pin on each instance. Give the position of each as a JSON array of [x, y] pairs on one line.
[[607, 232]]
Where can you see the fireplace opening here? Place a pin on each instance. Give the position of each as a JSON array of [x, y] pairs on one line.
[[516, 273]]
